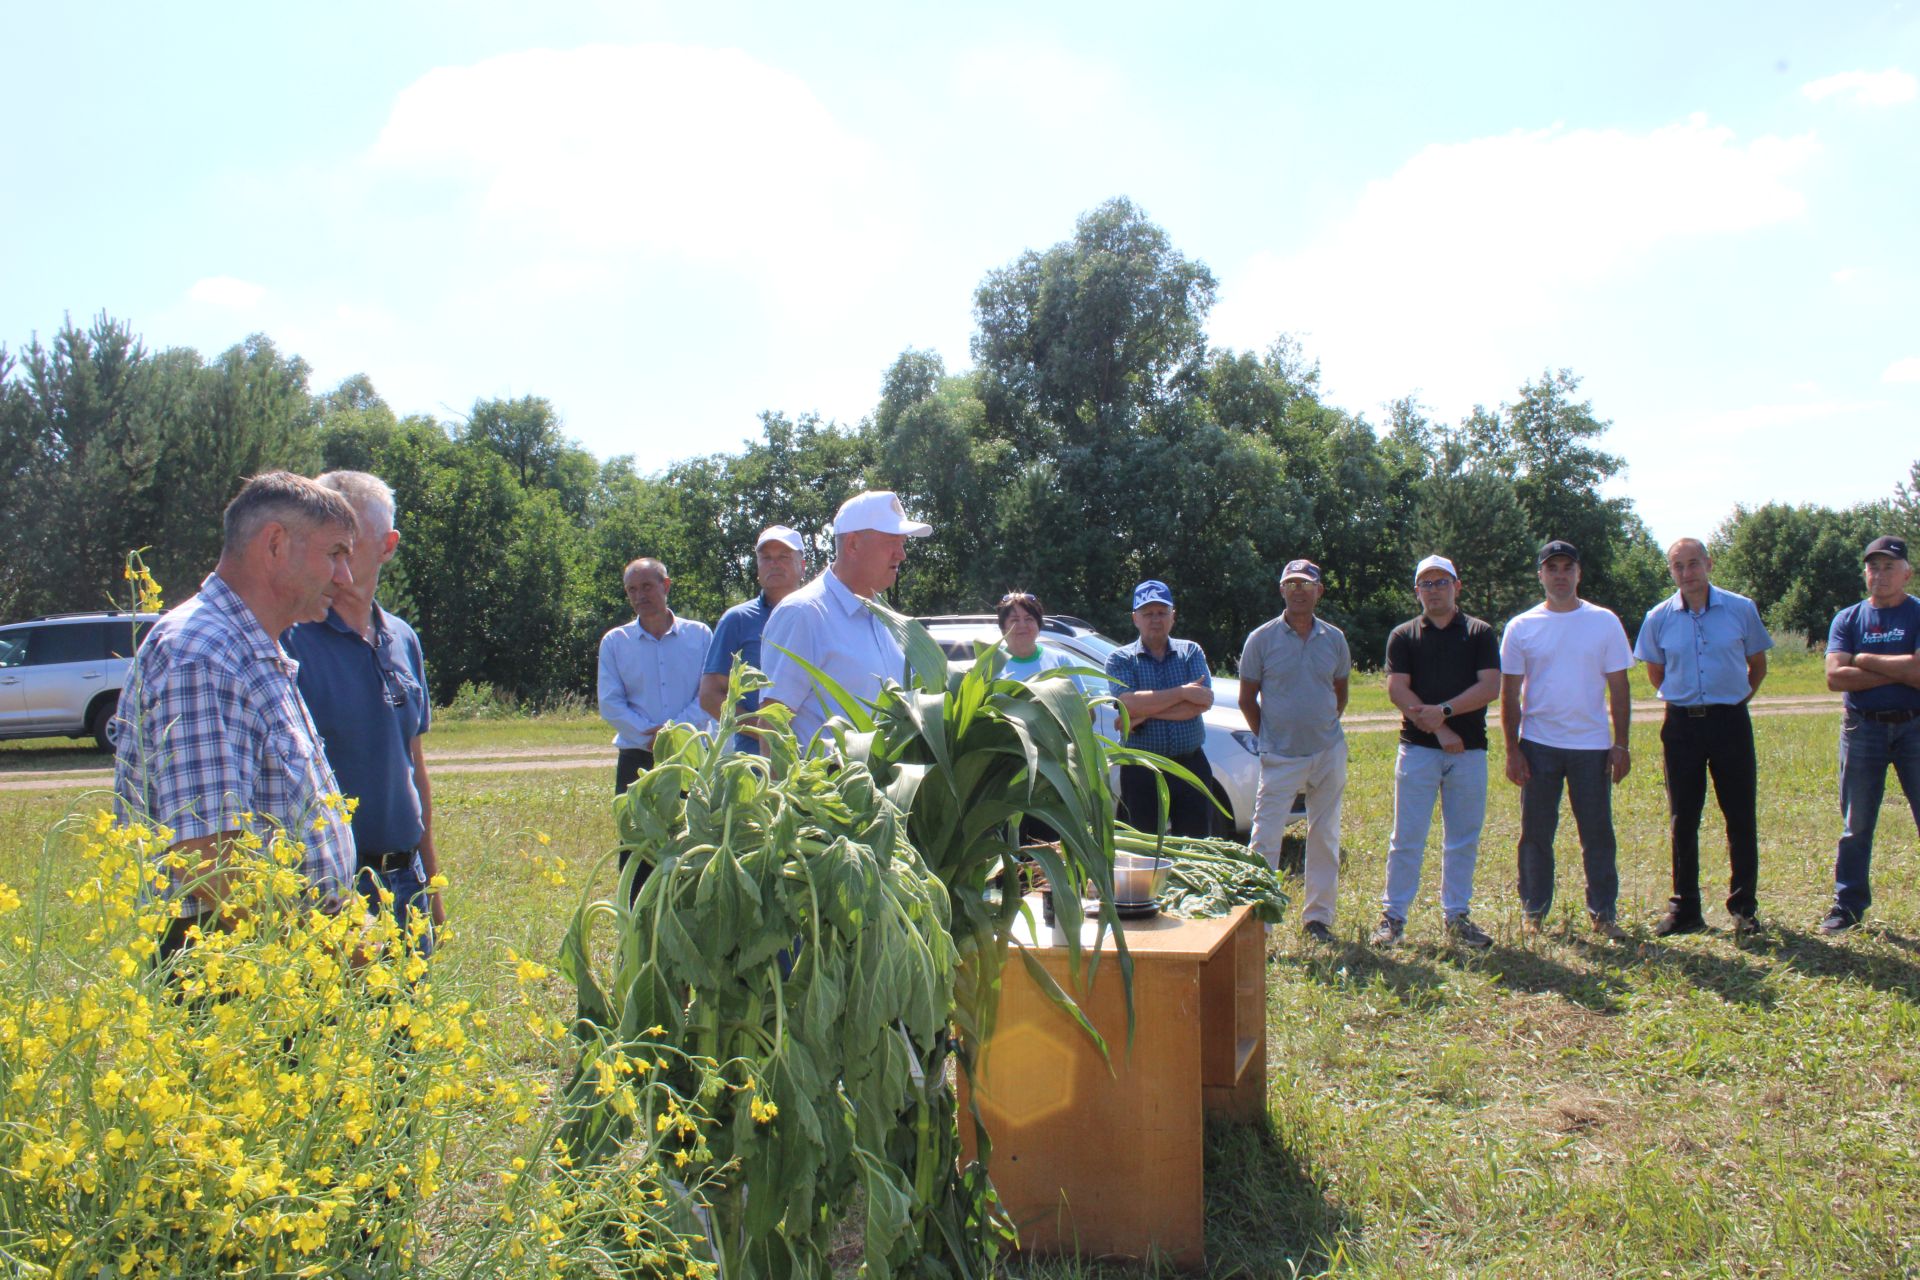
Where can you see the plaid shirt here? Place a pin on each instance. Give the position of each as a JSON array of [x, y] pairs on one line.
[[215, 737], [1133, 670]]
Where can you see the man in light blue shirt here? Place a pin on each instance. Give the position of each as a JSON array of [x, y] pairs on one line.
[[649, 670], [827, 622], [1706, 653]]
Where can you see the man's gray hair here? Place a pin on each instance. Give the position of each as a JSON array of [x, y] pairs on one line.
[[366, 491], [281, 497]]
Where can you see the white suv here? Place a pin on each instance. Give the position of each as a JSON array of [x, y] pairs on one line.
[[1232, 750], [62, 674]]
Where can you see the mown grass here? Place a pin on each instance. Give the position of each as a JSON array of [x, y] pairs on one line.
[[1560, 1106]]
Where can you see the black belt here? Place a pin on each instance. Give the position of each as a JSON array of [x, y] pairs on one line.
[[388, 863], [1705, 709], [1890, 717]]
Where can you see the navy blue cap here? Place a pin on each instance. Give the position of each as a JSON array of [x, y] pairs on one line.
[[1152, 591], [1559, 547], [1887, 546], [1301, 569]]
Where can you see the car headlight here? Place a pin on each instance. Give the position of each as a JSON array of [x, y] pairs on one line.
[[1247, 739]]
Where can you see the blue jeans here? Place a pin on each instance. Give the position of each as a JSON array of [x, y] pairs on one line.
[[1867, 747], [1459, 781], [408, 885], [1584, 775]]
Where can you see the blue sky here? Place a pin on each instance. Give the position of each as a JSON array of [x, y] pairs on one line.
[[666, 218]]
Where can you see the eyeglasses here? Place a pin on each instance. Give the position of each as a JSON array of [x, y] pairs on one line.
[[1018, 597], [1433, 584]]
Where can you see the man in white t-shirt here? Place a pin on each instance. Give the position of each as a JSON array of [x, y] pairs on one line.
[[1563, 667]]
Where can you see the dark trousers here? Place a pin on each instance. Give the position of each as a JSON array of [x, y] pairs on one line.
[[1867, 747], [1584, 775], [1716, 743], [1189, 812], [632, 762]]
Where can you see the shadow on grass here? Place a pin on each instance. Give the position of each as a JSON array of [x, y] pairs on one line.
[[1818, 958], [1354, 964], [1733, 978], [52, 759], [1269, 1213], [1535, 974]]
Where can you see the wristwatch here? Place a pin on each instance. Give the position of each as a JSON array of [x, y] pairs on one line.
[[1446, 710]]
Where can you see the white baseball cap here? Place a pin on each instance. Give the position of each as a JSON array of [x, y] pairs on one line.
[[880, 510], [1436, 562], [781, 534]]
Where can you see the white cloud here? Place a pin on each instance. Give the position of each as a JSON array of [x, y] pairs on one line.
[[1866, 88], [1043, 86], [1846, 275], [1907, 370], [640, 151], [1761, 419], [1472, 248], [227, 292]]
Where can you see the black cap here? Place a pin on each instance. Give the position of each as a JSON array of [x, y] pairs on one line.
[[1559, 547], [1887, 546]]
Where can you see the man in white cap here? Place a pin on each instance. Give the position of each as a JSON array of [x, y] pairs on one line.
[[1293, 689], [777, 561], [1443, 668], [827, 622]]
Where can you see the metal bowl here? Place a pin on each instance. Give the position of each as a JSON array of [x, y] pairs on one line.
[[1138, 879]]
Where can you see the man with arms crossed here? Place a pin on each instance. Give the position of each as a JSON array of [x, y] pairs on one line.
[[1165, 687], [215, 740], [1293, 691], [365, 684], [1706, 653], [1443, 668], [777, 562], [827, 622], [649, 670], [1871, 658], [1562, 663]]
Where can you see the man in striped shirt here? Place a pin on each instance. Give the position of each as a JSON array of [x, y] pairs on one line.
[[215, 742]]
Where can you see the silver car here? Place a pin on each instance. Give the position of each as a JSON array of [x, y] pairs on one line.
[[1232, 750], [61, 675]]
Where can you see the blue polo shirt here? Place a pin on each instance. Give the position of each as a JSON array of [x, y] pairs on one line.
[[738, 632], [1861, 628], [1133, 670], [369, 702], [1705, 653]]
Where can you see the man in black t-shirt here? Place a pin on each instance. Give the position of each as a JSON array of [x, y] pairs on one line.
[[1443, 668]]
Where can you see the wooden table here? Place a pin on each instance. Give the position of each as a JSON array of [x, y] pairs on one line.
[[1106, 1161]]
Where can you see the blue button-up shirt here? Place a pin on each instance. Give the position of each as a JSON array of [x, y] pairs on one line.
[[1133, 670], [369, 702], [738, 634], [648, 680], [1705, 654], [216, 738]]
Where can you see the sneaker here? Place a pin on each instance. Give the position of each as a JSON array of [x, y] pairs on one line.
[[1464, 931], [1387, 932], [1838, 921], [1673, 922], [1319, 933], [1744, 926], [1607, 927]]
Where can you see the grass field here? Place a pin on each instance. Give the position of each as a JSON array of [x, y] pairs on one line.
[[1560, 1107]]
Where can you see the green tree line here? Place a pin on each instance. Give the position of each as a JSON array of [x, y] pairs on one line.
[[1097, 439]]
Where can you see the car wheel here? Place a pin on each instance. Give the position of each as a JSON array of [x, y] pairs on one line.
[[102, 721]]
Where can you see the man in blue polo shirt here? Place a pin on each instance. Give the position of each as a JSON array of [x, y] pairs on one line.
[[1165, 687], [778, 561], [1871, 657], [1706, 654], [365, 684]]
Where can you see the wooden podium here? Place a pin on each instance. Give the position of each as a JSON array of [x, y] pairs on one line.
[[1104, 1160]]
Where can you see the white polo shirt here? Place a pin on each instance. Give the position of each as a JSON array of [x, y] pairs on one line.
[[831, 627]]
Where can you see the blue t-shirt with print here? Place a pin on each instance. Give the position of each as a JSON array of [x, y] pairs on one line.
[[1862, 628]]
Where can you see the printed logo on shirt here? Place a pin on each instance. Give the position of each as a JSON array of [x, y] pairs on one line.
[[1888, 635]]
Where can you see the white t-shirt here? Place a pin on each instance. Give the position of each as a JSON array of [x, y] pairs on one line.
[[1044, 658], [1566, 659]]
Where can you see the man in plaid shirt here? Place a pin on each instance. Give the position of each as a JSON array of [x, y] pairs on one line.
[[214, 740], [1165, 687]]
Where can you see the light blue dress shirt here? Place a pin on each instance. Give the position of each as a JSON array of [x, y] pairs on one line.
[[1705, 654], [831, 627], [648, 680]]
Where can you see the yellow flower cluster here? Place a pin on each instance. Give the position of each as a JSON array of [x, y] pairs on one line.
[[281, 1096]]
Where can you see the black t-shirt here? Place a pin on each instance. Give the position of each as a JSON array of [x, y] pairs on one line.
[[1442, 663]]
